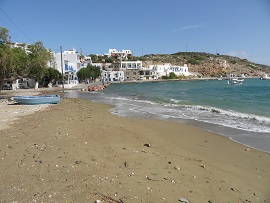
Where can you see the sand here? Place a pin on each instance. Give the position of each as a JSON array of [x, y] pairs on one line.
[[76, 151]]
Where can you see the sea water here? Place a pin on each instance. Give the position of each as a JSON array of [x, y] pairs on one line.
[[239, 112]]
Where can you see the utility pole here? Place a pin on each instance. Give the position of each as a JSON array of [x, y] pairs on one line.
[[62, 69]]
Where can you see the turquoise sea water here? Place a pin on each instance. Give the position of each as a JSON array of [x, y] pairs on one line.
[[240, 112]]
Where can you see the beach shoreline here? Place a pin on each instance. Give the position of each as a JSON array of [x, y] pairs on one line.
[[78, 151]]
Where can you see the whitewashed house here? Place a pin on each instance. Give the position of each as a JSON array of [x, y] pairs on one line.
[[107, 76], [147, 74], [131, 64], [179, 70], [159, 70], [86, 60], [119, 54], [71, 61], [131, 69]]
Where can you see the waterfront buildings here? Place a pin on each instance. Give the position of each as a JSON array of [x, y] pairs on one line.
[[122, 69]]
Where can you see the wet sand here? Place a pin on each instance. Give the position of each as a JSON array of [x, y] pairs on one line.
[[76, 151]]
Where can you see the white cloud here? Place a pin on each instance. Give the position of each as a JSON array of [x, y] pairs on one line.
[[240, 54], [187, 28]]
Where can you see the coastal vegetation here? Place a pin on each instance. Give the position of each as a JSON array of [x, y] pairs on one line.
[[90, 72], [52, 75], [173, 76], [23, 61]]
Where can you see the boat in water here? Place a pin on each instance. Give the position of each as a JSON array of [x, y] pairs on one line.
[[235, 81], [40, 99], [265, 77]]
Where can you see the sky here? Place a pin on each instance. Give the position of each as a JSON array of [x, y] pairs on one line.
[[229, 27]]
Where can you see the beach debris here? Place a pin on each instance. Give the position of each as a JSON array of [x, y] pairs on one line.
[[110, 199], [144, 151], [149, 188], [130, 174], [177, 168], [149, 177], [147, 145], [183, 200], [98, 201], [247, 149]]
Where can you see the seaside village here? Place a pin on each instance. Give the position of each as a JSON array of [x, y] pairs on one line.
[[122, 70]]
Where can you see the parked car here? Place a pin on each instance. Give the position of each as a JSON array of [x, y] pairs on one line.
[[7, 86], [26, 83]]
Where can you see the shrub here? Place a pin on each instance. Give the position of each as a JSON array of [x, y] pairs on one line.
[[193, 61]]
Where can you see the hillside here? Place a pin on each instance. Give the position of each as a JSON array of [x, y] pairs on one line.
[[207, 64]]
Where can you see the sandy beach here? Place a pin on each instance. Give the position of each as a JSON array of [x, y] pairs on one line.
[[76, 151]]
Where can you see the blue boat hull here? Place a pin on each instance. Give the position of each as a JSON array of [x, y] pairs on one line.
[[31, 100]]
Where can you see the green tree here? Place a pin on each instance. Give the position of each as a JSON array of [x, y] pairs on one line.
[[38, 60], [109, 60], [93, 58], [84, 73], [172, 76], [20, 62], [52, 75], [5, 55], [4, 36], [193, 61], [94, 71]]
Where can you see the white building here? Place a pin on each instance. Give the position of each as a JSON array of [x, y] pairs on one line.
[[71, 61], [120, 54], [20, 45], [107, 76], [159, 70], [87, 60], [131, 64], [179, 70]]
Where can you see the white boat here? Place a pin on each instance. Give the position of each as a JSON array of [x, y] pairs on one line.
[[265, 77], [41, 99], [219, 78], [235, 81]]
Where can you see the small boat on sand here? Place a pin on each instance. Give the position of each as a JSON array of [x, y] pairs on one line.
[[40, 99]]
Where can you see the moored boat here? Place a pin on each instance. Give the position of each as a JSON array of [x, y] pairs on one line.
[[265, 77], [40, 99], [235, 81]]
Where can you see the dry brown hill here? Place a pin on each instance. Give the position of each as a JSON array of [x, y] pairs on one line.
[[209, 64]]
